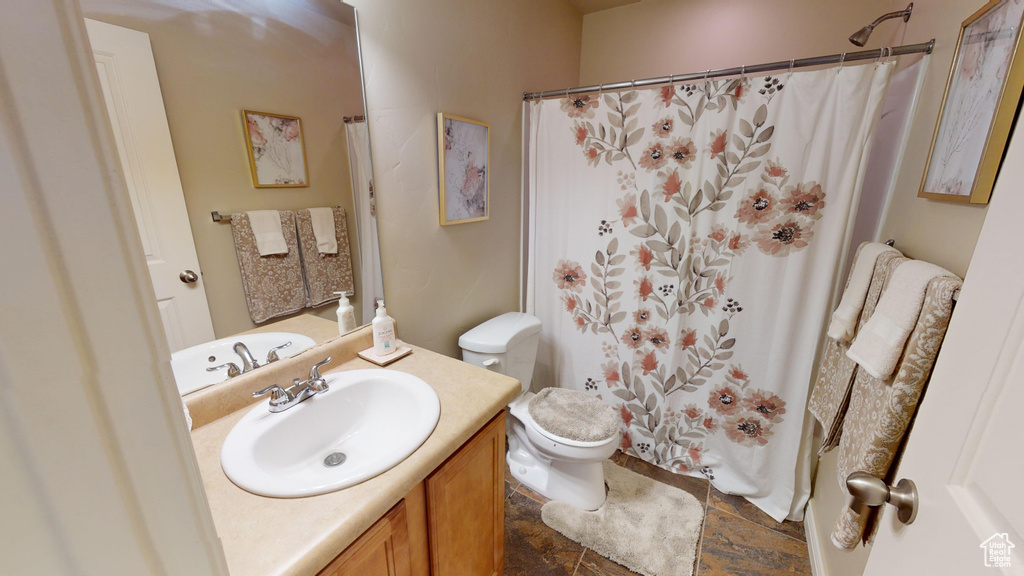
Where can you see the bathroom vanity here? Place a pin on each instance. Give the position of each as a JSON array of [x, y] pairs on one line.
[[440, 511]]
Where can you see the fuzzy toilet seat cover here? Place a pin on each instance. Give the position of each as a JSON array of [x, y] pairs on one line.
[[573, 415]]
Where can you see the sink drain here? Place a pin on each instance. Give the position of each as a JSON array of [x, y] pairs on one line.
[[334, 459]]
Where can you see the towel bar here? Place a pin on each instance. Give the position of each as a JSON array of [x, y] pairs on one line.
[[956, 293]]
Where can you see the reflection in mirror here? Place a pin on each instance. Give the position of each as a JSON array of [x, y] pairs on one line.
[[213, 60]]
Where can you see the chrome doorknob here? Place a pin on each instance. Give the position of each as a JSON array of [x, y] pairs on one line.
[[873, 491], [188, 277]]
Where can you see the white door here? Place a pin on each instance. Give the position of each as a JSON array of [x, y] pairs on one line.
[[965, 451], [135, 105]]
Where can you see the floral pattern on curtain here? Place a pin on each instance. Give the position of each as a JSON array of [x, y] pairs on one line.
[[684, 242]]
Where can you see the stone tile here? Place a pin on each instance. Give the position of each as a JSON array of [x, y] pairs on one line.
[[531, 548], [733, 546], [620, 458], [739, 506], [510, 481], [593, 564], [696, 486], [532, 494]]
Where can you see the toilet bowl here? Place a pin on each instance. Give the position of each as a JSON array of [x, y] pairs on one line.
[[558, 438]]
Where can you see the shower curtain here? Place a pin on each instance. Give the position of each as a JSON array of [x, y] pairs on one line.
[[684, 244], [371, 283]]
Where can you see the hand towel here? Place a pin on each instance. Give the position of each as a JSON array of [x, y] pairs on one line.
[[879, 344], [325, 273], [323, 230], [266, 228], [843, 326], [881, 412], [273, 285], [830, 396]]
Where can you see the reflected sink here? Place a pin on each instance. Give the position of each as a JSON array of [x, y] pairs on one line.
[[370, 420], [189, 365]]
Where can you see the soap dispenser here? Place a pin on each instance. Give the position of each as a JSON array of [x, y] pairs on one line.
[[383, 332], [346, 314]]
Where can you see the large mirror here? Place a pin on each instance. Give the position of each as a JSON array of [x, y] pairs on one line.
[[213, 60]]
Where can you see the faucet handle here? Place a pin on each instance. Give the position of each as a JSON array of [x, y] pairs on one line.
[[278, 395], [233, 369], [272, 355], [314, 372]]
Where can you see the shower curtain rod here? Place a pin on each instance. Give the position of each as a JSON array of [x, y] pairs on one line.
[[924, 47]]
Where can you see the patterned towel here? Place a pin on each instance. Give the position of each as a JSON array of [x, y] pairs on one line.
[[325, 273], [881, 411], [273, 284], [831, 393]]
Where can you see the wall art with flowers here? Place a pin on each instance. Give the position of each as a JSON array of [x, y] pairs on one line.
[[683, 256], [277, 154]]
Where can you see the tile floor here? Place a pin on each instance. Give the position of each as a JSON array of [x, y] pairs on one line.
[[738, 539]]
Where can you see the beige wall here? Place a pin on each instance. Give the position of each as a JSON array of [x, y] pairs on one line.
[[662, 37], [940, 232], [472, 59], [215, 63]]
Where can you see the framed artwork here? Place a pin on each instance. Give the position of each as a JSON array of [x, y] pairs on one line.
[[277, 154], [979, 106], [463, 153]]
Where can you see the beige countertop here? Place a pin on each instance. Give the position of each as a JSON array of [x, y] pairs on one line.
[[317, 328], [299, 536]]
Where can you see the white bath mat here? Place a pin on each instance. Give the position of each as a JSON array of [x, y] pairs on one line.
[[649, 527]]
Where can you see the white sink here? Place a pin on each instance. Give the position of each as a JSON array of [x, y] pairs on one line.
[[189, 365], [375, 418]]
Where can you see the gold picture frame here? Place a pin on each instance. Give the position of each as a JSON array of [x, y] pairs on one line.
[[277, 150], [978, 107], [464, 185]]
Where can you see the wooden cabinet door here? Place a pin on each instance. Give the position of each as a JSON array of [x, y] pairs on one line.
[[466, 508], [383, 550]]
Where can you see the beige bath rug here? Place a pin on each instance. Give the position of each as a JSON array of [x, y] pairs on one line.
[[649, 527]]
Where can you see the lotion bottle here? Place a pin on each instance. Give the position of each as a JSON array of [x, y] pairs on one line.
[[346, 314], [383, 332]]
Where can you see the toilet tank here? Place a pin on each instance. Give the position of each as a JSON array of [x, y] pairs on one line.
[[506, 344]]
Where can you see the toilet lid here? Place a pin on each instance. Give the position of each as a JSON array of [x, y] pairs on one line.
[[573, 415]]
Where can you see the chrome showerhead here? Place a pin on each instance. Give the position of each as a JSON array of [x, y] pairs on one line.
[[860, 37]]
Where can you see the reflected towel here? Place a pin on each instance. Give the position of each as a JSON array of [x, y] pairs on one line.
[[266, 228], [273, 285], [323, 230], [880, 343], [843, 326], [831, 393], [325, 273], [881, 411]]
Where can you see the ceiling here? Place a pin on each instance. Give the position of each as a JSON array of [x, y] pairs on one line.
[[588, 6]]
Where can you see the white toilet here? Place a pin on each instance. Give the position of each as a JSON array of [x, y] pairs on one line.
[[558, 438]]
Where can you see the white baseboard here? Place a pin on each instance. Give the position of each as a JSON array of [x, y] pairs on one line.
[[814, 544]]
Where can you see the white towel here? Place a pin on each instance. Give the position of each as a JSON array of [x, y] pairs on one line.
[[323, 230], [880, 343], [266, 228], [843, 326]]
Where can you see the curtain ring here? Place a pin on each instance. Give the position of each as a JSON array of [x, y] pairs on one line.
[[566, 92], [706, 73], [842, 59], [792, 61], [743, 71], [600, 90], [672, 82], [632, 83]]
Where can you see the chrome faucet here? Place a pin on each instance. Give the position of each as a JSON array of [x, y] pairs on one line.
[[282, 399], [248, 362], [231, 366]]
